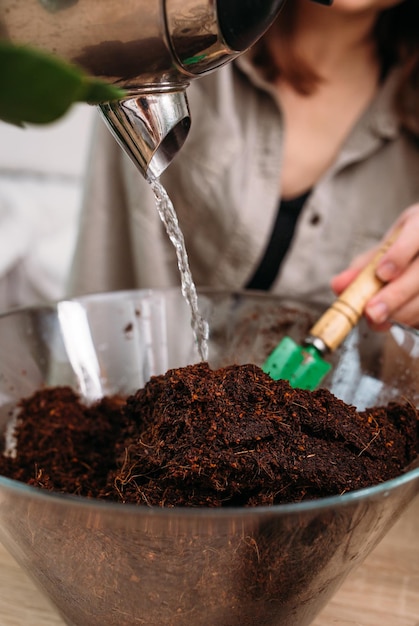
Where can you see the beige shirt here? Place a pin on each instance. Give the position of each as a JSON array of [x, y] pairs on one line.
[[224, 184]]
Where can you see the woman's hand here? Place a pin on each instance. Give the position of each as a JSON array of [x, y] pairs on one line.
[[398, 300]]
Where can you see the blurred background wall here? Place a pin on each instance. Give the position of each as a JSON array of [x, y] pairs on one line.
[[41, 180]]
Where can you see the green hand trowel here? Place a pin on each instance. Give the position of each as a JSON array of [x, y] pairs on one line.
[[304, 366]]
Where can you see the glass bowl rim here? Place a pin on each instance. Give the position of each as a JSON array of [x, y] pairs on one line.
[[381, 490]]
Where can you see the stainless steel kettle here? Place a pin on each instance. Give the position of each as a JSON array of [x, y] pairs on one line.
[[151, 48]]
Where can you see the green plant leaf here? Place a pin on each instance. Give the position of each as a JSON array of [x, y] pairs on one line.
[[39, 88]]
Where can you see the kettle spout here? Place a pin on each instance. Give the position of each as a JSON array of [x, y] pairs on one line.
[[151, 126]]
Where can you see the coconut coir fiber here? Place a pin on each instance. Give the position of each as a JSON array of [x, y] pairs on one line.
[[201, 437]]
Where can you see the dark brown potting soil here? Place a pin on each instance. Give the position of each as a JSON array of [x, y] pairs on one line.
[[202, 437]]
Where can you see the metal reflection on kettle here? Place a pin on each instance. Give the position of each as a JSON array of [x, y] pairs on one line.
[[151, 48]]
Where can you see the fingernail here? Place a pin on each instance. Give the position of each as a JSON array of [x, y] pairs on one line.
[[378, 312], [386, 271]]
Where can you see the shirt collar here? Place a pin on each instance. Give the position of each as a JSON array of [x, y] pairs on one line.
[[253, 73], [380, 117], [378, 124]]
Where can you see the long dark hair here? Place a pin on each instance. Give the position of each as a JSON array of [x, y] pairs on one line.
[[397, 37], [397, 33]]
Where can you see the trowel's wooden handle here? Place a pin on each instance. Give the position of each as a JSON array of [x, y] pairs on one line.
[[336, 323]]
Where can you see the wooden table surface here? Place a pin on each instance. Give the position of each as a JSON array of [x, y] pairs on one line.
[[383, 591]]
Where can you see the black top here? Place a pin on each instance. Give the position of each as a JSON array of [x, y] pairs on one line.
[[279, 242]]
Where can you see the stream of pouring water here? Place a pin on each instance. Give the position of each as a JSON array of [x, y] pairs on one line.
[[169, 218]]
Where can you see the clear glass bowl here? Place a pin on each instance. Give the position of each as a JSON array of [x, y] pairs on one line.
[[108, 564]]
